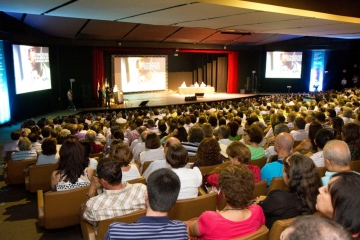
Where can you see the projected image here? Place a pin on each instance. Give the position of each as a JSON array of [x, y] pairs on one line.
[[317, 71], [283, 65], [32, 68], [4, 93], [138, 74]]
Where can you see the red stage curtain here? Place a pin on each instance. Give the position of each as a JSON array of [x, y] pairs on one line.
[[98, 70]]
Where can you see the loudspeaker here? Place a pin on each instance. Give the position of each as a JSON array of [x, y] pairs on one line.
[[192, 98], [199, 94]]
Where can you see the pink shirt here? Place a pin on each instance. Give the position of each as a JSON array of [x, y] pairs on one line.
[[214, 226]]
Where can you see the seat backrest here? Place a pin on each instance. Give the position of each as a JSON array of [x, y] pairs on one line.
[[273, 158], [40, 177], [8, 155], [145, 166], [355, 166], [321, 171], [61, 209], [278, 227], [186, 209], [99, 155], [276, 183], [261, 234], [192, 159], [138, 180], [296, 143], [128, 218], [259, 162], [207, 169], [260, 189], [15, 171]]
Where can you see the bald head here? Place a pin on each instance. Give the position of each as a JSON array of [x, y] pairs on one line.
[[337, 152], [171, 141], [285, 140]]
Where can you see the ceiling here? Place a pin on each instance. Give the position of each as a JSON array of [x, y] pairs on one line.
[[215, 22]]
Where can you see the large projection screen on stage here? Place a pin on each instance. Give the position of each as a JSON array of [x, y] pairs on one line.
[[283, 64], [140, 73], [32, 68]]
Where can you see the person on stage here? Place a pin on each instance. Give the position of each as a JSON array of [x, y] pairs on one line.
[[108, 93], [355, 80], [183, 84], [202, 84], [343, 82], [70, 97], [101, 96], [196, 85], [116, 96]]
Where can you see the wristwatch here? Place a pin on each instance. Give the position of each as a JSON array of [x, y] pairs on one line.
[[88, 196]]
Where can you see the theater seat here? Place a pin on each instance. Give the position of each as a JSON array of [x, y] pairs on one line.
[[39, 177], [276, 183], [60, 209], [207, 169], [186, 209], [14, 171], [259, 162], [88, 230], [261, 234], [138, 180], [278, 227]]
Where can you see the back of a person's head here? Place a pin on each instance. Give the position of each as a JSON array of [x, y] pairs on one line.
[[303, 180], [90, 135], [152, 141], [320, 116], [322, 137], [208, 152], [281, 127], [15, 135], [122, 153], [237, 184], [176, 156], [49, 146], [33, 137], [315, 227], [239, 151], [24, 144], [351, 132], [255, 134], [45, 132], [224, 131], [337, 152], [196, 134], [87, 147], [109, 169], [163, 187], [300, 123]]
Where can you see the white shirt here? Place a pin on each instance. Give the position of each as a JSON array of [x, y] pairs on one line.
[[299, 135], [132, 173], [190, 181], [225, 141], [151, 155], [318, 159], [11, 146], [140, 147], [93, 163], [155, 165]]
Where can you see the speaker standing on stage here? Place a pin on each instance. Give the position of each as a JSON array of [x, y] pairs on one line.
[[343, 82], [70, 97], [108, 93], [116, 96], [100, 93]]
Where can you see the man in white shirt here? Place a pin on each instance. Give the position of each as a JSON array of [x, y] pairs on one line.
[[120, 118], [321, 138], [223, 135], [299, 133], [157, 164]]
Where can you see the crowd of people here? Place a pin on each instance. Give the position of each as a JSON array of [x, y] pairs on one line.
[[296, 133]]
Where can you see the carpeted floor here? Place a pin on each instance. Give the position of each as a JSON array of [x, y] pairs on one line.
[[18, 208]]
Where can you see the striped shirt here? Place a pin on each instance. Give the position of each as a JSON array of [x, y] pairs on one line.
[[22, 155], [148, 228], [191, 147]]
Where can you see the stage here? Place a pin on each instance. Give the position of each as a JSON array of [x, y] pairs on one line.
[[161, 99]]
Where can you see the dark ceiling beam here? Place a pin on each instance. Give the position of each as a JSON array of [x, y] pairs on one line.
[[158, 10], [82, 28], [130, 31], [60, 6], [23, 17], [177, 30]]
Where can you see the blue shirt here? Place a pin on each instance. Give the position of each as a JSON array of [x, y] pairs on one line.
[[271, 170], [148, 228]]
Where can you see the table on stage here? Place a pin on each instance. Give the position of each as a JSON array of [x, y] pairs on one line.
[[193, 90]]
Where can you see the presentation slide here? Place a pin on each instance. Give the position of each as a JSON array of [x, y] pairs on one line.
[[4, 93], [283, 64], [140, 73], [32, 68]]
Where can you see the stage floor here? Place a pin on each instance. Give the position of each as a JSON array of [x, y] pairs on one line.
[[159, 99]]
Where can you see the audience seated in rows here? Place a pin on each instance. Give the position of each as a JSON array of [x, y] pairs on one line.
[[25, 152], [123, 154]]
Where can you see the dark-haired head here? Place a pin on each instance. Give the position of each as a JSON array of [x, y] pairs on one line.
[[163, 187], [176, 156], [109, 169]]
